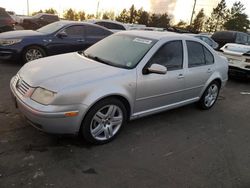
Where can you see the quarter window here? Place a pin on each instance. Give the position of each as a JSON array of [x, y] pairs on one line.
[[169, 55], [96, 31], [198, 54]]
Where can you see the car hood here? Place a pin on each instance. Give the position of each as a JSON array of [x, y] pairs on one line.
[[19, 34], [236, 49], [64, 71]]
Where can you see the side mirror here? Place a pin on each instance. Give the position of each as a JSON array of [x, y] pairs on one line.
[[62, 34], [157, 69]]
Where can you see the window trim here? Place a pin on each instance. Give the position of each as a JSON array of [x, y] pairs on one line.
[[203, 49], [148, 63]]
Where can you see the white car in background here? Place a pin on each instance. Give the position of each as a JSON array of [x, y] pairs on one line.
[[238, 56]]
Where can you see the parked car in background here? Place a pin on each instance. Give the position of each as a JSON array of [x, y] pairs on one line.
[[56, 38], [238, 56], [207, 40], [38, 21], [224, 37], [127, 75], [15, 17], [115, 26], [6, 22]]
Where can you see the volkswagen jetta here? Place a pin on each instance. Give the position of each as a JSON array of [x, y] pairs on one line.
[[125, 76]]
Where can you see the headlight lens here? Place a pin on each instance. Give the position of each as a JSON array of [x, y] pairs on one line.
[[43, 96], [7, 42]]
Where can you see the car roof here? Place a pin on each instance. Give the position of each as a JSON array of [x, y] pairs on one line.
[[69, 22], [157, 35]]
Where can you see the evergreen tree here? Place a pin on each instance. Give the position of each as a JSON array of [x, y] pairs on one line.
[[123, 17], [238, 20], [197, 25], [70, 14], [218, 17], [142, 17]]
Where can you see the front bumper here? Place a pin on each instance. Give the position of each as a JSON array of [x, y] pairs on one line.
[[9, 54], [50, 119]]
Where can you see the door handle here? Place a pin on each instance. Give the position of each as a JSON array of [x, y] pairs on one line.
[[180, 76], [209, 70], [80, 40]]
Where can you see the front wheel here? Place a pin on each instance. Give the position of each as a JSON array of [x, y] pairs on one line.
[[104, 121], [32, 53], [210, 96]]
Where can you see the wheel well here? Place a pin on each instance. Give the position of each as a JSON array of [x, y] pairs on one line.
[[122, 99], [217, 80], [36, 45]]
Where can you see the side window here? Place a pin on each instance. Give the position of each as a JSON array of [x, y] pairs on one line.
[[75, 31], [198, 54], [207, 40], [169, 55], [209, 57], [95, 31]]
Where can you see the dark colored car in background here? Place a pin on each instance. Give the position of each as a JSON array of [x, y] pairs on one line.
[[39, 20], [224, 37], [6, 22], [207, 39], [56, 38]]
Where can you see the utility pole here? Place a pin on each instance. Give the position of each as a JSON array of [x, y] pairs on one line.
[[193, 12], [28, 8], [97, 9]]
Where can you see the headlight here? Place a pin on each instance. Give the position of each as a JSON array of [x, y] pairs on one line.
[[7, 42], [43, 96]]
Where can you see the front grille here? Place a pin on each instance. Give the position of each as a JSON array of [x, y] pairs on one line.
[[21, 86]]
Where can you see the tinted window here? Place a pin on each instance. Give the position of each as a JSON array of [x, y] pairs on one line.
[[96, 31], [111, 25], [209, 58], [169, 55], [75, 31], [241, 38], [207, 40], [198, 54]]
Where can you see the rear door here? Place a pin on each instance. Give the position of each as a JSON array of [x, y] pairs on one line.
[[200, 68], [94, 34]]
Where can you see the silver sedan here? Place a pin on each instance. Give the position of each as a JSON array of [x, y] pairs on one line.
[[126, 76]]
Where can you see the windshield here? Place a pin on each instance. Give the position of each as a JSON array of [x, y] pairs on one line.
[[120, 50], [51, 28]]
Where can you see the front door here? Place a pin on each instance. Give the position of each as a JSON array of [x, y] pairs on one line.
[[156, 90], [74, 41]]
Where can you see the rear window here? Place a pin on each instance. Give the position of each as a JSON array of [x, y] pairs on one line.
[[224, 35], [111, 25]]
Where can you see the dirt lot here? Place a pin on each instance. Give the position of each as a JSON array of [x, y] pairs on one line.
[[185, 147]]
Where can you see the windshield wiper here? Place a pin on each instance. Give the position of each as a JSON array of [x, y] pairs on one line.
[[98, 59]]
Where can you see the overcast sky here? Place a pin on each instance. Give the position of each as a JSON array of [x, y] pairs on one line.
[[181, 9]]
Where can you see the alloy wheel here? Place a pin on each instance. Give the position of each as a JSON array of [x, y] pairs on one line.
[[211, 95], [106, 122]]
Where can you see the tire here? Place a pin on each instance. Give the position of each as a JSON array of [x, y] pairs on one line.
[[104, 121], [210, 96], [33, 52]]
